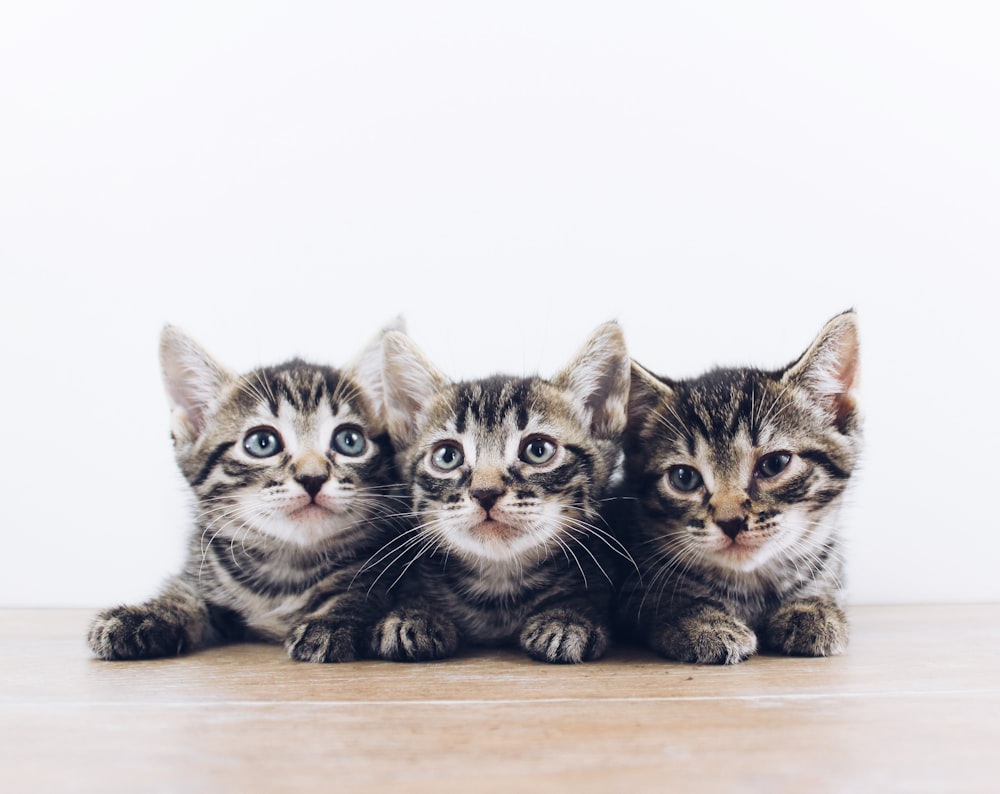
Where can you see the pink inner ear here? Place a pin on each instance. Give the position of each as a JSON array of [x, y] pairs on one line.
[[846, 373]]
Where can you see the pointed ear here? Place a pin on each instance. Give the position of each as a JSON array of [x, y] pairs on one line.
[[193, 380], [646, 393], [410, 382], [829, 368], [598, 379], [367, 369]]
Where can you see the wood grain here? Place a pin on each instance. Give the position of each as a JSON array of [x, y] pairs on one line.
[[913, 706]]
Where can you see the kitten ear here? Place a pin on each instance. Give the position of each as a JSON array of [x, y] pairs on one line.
[[367, 369], [598, 377], [410, 382], [647, 393], [193, 380], [829, 368]]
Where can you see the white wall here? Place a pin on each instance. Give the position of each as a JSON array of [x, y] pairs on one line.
[[719, 177]]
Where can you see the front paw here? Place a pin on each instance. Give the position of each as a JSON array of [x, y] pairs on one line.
[[323, 640], [135, 632], [414, 635], [560, 636], [708, 636], [808, 628]]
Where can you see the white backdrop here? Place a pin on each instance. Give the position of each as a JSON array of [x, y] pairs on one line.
[[283, 178]]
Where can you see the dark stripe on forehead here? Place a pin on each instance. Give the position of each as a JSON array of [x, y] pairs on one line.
[[312, 393], [462, 401], [304, 386], [694, 421], [489, 401], [522, 414], [742, 415], [289, 394]]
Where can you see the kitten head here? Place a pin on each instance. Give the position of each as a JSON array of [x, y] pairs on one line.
[[294, 452], [508, 468], [739, 466]]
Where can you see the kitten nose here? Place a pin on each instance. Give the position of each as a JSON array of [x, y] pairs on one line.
[[487, 497], [312, 485], [733, 526]]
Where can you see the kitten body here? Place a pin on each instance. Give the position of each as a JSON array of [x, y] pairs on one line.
[[737, 480], [291, 471], [507, 475]]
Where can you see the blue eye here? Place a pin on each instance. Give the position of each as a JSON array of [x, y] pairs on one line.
[[538, 450], [684, 478], [772, 465], [349, 441], [263, 442], [447, 456]]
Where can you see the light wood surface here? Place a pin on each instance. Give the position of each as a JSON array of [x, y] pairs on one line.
[[913, 706]]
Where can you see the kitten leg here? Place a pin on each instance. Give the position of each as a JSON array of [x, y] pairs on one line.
[[702, 633], [175, 621], [566, 633], [807, 628], [414, 633], [337, 632]]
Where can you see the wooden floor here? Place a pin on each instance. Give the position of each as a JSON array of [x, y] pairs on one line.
[[913, 706]]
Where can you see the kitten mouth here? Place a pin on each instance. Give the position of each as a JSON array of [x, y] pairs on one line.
[[491, 529], [311, 510], [739, 550]]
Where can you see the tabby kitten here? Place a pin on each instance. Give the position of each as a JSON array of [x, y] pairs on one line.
[[738, 478], [291, 470], [507, 475]]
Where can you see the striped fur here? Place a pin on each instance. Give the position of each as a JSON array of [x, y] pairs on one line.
[[293, 478], [738, 477], [507, 476]]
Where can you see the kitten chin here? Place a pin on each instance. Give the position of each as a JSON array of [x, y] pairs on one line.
[[307, 527], [499, 536]]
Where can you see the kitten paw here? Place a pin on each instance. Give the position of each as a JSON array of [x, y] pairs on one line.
[[323, 641], [134, 632], [562, 637], [808, 628], [413, 635], [707, 637]]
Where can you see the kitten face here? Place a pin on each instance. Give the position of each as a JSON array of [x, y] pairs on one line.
[[740, 467], [508, 469], [503, 470], [294, 453]]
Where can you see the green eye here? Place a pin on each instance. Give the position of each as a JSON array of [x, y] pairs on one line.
[[263, 442], [349, 441], [538, 450], [684, 478], [772, 465], [447, 456]]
